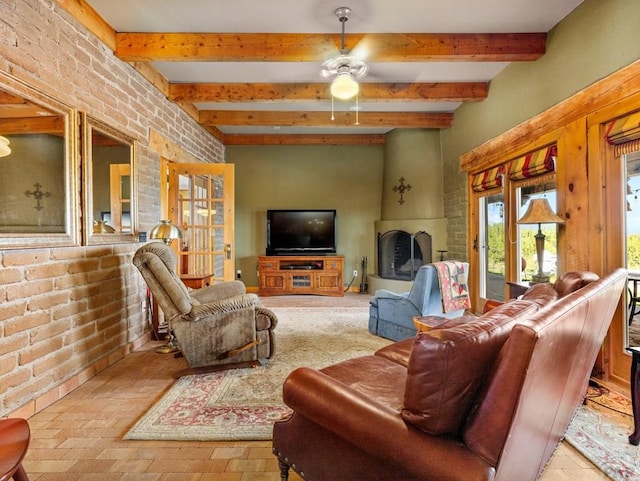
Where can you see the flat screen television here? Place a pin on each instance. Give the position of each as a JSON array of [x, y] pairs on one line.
[[301, 232]]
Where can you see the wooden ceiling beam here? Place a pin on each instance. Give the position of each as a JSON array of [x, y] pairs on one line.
[[314, 47], [87, 16], [304, 139], [245, 92], [323, 119]]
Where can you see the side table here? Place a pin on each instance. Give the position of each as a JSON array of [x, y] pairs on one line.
[[634, 438], [427, 323], [197, 281], [517, 288]]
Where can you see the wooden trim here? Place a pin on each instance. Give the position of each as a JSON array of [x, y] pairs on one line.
[[169, 149], [603, 93]]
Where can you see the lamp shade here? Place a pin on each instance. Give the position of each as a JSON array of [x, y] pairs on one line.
[[4, 146], [166, 232], [540, 212], [344, 87]]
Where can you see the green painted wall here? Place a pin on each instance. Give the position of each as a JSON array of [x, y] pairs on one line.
[[596, 39], [348, 179], [413, 154]]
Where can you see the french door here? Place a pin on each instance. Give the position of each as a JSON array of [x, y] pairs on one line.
[[201, 202]]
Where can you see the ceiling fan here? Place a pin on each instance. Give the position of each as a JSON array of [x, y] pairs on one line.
[[345, 67]]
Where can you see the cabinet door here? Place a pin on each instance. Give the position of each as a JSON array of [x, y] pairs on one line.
[[272, 283], [301, 282], [329, 282]]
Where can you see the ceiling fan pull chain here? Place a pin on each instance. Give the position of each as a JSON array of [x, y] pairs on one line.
[[332, 116], [357, 111]]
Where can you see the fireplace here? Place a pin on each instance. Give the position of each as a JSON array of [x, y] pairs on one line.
[[401, 253]]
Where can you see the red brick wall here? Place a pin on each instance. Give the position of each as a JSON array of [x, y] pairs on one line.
[[67, 313]]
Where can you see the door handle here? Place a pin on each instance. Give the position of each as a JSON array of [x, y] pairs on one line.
[[227, 249]]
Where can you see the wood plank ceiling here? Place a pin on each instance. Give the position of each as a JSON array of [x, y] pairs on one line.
[[300, 110]]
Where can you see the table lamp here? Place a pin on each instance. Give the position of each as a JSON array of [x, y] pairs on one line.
[[540, 212], [166, 232]]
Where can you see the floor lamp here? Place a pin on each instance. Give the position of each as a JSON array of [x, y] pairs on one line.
[[540, 212], [166, 232]]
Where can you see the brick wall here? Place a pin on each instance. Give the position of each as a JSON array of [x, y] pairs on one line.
[[67, 313], [455, 210]]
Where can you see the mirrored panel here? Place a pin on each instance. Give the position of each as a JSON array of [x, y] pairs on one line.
[[38, 158], [109, 187]]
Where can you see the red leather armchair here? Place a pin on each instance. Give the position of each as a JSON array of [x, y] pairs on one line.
[[14, 441], [481, 400]]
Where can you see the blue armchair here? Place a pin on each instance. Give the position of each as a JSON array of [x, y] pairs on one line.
[[391, 315]]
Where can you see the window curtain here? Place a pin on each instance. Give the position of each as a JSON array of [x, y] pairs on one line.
[[534, 164], [624, 134], [488, 180]]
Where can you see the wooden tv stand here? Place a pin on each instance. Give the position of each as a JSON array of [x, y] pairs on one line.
[[281, 275]]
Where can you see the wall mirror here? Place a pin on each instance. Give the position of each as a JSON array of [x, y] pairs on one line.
[[109, 187], [38, 157]]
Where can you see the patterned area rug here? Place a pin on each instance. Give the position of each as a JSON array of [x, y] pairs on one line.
[[600, 431], [242, 404]]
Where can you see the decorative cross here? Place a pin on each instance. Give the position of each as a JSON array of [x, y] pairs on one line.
[[38, 195], [402, 189]]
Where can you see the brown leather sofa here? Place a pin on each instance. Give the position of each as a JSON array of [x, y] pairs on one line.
[[481, 399]]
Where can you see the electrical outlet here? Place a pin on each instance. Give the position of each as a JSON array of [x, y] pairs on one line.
[[144, 306], [239, 274], [355, 273]]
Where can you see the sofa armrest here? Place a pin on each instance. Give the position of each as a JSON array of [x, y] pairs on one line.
[[215, 292], [222, 306], [378, 429], [385, 294]]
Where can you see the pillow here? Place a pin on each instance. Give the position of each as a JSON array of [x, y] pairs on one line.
[[542, 294], [447, 367]]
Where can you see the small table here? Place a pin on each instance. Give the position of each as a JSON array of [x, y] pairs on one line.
[[634, 277], [516, 289], [196, 281], [634, 438], [427, 323]]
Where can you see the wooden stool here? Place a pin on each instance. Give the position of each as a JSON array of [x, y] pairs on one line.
[[14, 441]]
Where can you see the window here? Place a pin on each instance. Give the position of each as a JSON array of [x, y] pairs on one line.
[[526, 240], [492, 246]]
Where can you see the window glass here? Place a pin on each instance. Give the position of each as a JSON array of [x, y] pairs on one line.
[[492, 247], [526, 238]]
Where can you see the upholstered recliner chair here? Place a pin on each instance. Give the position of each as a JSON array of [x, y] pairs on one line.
[[391, 315], [216, 325]]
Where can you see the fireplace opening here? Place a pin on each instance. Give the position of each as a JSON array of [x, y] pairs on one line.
[[400, 254]]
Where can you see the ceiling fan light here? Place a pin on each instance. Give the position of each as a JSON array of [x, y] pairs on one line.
[[344, 87], [4, 146]]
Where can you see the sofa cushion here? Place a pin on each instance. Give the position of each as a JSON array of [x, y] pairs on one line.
[[400, 351], [542, 294], [572, 281], [447, 366]]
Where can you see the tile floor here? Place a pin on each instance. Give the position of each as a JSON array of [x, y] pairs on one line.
[[79, 438]]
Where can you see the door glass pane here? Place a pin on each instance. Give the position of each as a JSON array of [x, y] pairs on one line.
[[202, 222], [492, 247], [526, 234], [632, 247]]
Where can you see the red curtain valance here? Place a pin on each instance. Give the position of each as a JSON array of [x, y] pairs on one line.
[[622, 130], [533, 164]]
